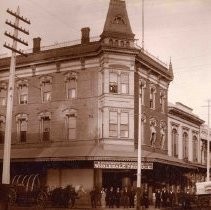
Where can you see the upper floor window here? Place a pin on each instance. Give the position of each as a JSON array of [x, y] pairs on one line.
[[45, 119], [195, 149], [113, 82], [162, 134], [174, 136], [71, 85], [142, 89], [22, 127], [185, 145], [46, 88], [152, 97], [71, 116], [124, 125], [153, 133], [2, 129], [162, 101], [22, 92], [3, 94], [124, 83], [113, 124]]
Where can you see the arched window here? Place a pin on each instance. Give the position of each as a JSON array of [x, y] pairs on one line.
[[46, 88], [174, 137], [3, 93], [162, 101], [22, 120], [162, 134], [152, 97], [45, 119], [195, 149], [22, 86], [71, 85], [142, 90], [185, 145], [153, 133], [71, 123]]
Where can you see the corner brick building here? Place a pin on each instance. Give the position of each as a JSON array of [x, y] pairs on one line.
[[76, 110]]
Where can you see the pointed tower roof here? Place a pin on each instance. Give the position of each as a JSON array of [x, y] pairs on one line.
[[117, 24]]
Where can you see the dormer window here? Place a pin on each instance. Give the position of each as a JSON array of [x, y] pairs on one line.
[[119, 20]]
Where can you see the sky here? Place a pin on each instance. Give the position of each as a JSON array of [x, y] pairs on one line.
[[179, 30]]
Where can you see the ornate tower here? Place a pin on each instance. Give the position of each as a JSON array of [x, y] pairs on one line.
[[117, 25]]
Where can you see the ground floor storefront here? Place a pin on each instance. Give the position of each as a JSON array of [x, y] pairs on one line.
[[99, 173]]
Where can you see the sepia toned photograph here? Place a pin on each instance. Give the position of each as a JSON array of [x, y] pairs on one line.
[[104, 104]]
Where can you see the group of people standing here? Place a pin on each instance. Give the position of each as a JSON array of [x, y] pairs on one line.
[[164, 198], [113, 197]]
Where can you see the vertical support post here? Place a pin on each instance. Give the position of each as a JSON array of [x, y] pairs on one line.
[[208, 144], [138, 195], [8, 127]]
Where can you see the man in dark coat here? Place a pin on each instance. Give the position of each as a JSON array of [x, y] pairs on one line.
[[157, 198], [145, 199], [111, 197], [93, 196], [117, 197], [164, 197]]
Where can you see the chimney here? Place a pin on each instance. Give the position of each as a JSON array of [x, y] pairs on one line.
[[36, 44], [85, 39]]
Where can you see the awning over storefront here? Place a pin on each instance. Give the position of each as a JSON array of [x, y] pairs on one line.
[[92, 152]]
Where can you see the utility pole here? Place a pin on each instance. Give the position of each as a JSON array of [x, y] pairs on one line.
[[139, 165], [8, 126]]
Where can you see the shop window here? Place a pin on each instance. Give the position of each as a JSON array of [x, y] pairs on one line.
[[174, 137], [71, 85], [113, 83], [185, 146], [46, 88], [195, 149], [124, 125], [22, 92], [113, 124]]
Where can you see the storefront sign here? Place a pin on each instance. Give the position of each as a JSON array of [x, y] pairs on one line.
[[122, 165]]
